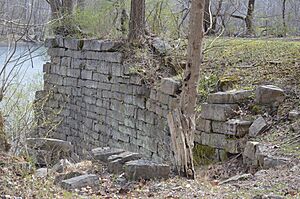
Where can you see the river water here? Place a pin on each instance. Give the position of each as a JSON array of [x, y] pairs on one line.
[[22, 70], [25, 64]]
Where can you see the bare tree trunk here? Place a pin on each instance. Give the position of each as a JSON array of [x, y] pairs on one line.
[[81, 4], [182, 120], [137, 21], [283, 17], [207, 16], [61, 11], [249, 18], [4, 145], [215, 19]]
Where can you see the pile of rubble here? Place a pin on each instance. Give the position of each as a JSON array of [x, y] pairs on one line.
[[53, 156]]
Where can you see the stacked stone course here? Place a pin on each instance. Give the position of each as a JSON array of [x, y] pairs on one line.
[[100, 103], [217, 126]]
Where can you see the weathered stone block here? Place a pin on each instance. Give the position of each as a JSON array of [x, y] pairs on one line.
[[103, 153], [144, 169], [234, 127], [218, 112], [49, 144], [116, 162], [258, 126], [250, 153], [272, 162], [79, 182], [93, 45], [71, 43], [169, 86], [203, 125], [229, 97], [294, 115], [269, 94], [107, 45], [54, 42]]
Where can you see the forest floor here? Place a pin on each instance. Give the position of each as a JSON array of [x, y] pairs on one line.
[[245, 64]]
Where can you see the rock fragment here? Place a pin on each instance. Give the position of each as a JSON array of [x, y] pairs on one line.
[[258, 127], [269, 94], [79, 182], [145, 169], [103, 153]]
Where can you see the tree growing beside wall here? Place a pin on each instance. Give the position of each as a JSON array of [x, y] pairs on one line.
[[137, 21], [61, 13], [182, 120]]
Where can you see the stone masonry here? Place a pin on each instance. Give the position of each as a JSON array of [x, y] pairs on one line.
[[91, 99], [219, 126], [95, 101]]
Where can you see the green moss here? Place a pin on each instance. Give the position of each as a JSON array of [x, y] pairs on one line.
[[203, 155], [80, 45], [256, 109]]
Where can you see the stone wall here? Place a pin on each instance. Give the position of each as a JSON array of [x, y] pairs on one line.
[[220, 126], [96, 101]]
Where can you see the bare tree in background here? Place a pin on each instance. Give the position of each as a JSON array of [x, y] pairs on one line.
[[81, 4], [283, 17], [207, 13], [249, 18], [62, 11], [182, 120], [137, 21]]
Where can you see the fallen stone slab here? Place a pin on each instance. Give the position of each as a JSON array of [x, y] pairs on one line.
[[273, 162], [61, 166], [116, 162], [103, 153], [234, 127], [41, 173], [65, 176], [161, 46], [145, 169], [169, 86], [258, 126], [79, 182], [230, 97], [237, 178], [250, 153], [218, 112], [269, 94], [294, 115], [49, 144], [203, 125]]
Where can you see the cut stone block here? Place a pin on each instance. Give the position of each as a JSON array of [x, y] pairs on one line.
[[49, 144], [250, 153], [116, 162], [79, 182], [125, 157], [234, 127], [41, 173], [258, 126], [169, 86], [272, 162], [71, 43], [145, 169], [203, 125], [103, 153], [294, 115], [218, 112], [61, 166], [220, 141], [161, 46], [269, 94], [229, 97]]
